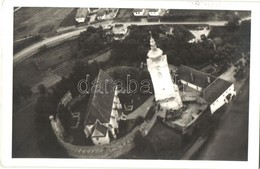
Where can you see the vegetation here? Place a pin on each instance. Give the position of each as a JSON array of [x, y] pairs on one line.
[[90, 41], [235, 42], [19, 45], [135, 46], [21, 91], [69, 20], [194, 15]]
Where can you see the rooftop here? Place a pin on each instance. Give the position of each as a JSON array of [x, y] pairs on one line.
[[153, 10], [101, 100], [101, 12], [138, 10], [194, 76], [99, 130], [215, 89], [81, 12]]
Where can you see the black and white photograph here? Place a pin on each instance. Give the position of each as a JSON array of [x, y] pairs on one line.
[[131, 83]]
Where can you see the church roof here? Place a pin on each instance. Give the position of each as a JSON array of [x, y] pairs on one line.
[[101, 100], [214, 90], [99, 130], [194, 76]]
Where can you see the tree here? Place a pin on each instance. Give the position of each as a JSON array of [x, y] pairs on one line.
[[233, 23]]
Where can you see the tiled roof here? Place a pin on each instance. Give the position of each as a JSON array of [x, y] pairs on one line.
[[101, 100], [101, 12], [153, 10], [138, 10], [194, 76], [99, 130], [214, 90], [81, 12]]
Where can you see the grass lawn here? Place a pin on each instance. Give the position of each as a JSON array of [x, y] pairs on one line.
[[54, 56], [69, 20], [124, 15]]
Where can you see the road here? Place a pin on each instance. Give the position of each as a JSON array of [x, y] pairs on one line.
[[29, 51]]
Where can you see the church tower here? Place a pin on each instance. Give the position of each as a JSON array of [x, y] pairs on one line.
[[166, 93]]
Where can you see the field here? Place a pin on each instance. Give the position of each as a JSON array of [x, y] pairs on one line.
[[37, 69], [40, 20], [54, 56], [124, 15]]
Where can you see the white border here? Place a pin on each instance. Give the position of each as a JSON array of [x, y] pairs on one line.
[[6, 88]]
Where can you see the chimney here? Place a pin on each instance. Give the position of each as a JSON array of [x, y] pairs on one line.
[[191, 75], [208, 79]]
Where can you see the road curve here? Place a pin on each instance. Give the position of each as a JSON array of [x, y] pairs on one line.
[[29, 51]]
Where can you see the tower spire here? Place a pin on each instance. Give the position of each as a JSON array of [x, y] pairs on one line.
[[152, 41]]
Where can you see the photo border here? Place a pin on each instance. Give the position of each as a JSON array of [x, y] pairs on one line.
[[7, 78]]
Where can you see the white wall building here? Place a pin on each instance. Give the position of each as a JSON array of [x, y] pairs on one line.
[[219, 93], [101, 14], [214, 90], [81, 15], [154, 12], [162, 82], [138, 12]]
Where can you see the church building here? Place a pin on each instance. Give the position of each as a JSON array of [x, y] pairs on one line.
[[104, 111]]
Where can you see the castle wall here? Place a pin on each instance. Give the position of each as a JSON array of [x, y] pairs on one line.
[[112, 150]]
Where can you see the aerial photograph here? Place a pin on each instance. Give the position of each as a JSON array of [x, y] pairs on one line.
[[130, 83]]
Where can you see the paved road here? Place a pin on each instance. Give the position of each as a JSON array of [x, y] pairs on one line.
[[230, 139], [29, 51]]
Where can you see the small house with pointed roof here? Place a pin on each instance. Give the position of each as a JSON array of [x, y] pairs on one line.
[[81, 15], [101, 14], [154, 12], [214, 90], [104, 110]]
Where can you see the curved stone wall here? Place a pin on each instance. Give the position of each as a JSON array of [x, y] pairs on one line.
[[112, 150]]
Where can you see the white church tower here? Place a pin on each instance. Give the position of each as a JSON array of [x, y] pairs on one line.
[[166, 93]]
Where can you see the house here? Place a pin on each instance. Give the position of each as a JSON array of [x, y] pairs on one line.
[[218, 93], [81, 15], [138, 12], [93, 10], [193, 78], [154, 12], [119, 31], [101, 14], [104, 111], [214, 90]]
